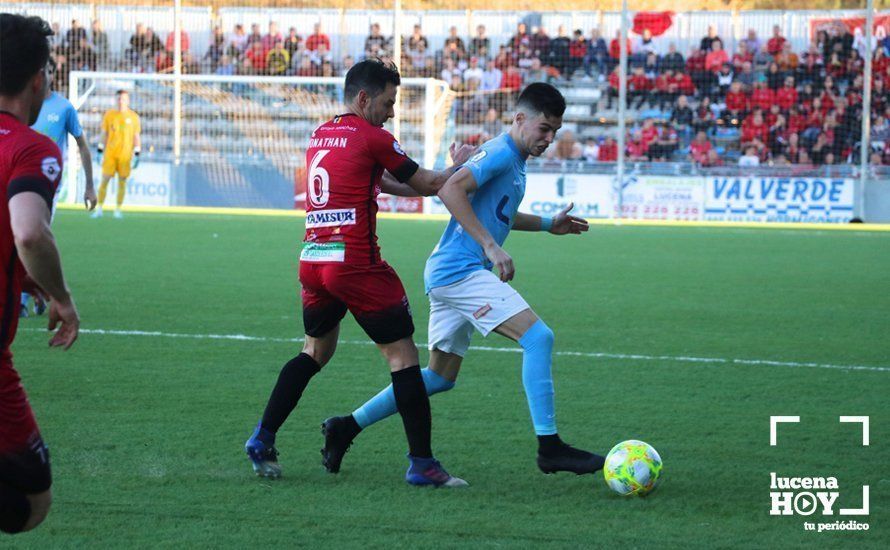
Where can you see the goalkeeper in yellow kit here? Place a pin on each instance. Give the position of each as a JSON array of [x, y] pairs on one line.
[[119, 149]]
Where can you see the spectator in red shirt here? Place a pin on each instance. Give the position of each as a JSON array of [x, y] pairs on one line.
[[257, 57], [667, 89], [648, 132], [762, 97], [608, 151], [786, 96], [316, 38], [638, 86], [715, 59], [637, 149], [774, 45], [615, 47], [736, 105], [512, 79], [684, 83], [699, 148], [755, 132], [577, 53], [183, 41]]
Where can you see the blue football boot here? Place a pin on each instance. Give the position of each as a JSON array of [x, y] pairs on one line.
[[428, 472], [262, 453]]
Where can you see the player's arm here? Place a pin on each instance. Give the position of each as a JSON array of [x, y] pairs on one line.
[[561, 224], [455, 195], [408, 179], [89, 194], [29, 213], [389, 184], [428, 182]]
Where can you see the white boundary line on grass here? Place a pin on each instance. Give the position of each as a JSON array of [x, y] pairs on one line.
[[592, 355]]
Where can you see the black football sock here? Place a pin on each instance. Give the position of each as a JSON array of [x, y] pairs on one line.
[[413, 404], [352, 426], [292, 380], [15, 509], [548, 444]]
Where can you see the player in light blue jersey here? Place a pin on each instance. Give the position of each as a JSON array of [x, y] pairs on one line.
[[483, 198], [57, 119]]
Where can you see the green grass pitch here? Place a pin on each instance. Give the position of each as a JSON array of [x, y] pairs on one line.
[[147, 430]]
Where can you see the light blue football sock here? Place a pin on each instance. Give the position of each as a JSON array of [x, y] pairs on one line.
[[384, 403], [537, 345]]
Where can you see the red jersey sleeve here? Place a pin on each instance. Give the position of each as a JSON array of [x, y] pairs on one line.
[[387, 151], [37, 168]]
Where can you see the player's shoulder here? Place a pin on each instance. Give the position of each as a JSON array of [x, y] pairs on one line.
[[492, 152], [28, 142], [62, 102]]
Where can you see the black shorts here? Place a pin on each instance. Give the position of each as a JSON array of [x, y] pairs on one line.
[[27, 470]]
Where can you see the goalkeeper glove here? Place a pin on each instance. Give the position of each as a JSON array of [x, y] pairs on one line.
[[100, 150], [136, 152]]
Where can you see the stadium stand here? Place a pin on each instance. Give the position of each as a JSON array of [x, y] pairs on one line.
[[792, 99]]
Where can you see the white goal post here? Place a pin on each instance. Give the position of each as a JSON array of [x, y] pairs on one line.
[[238, 128]]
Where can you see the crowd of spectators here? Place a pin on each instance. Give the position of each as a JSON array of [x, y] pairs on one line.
[[764, 100]]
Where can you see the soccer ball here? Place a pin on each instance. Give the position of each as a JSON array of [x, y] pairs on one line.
[[632, 468]]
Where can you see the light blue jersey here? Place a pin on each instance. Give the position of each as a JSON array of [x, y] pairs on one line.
[[499, 170], [57, 119]]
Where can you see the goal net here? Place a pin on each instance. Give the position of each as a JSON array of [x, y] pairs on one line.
[[239, 141]]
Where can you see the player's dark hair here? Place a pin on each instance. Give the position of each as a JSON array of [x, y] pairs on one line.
[[24, 51], [372, 76], [121, 92], [540, 97]]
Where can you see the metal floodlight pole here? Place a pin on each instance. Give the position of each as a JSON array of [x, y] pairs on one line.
[[865, 138], [622, 105], [177, 82]]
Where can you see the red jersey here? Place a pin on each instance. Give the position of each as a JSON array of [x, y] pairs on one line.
[[345, 163], [751, 131], [28, 162], [315, 40], [608, 152], [639, 83], [699, 150], [775, 44], [684, 83], [786, 97], [762, 98], [650, 134], [736, 101]]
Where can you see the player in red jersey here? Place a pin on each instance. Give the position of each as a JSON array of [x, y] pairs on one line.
[[30, 168], [350, 160]]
